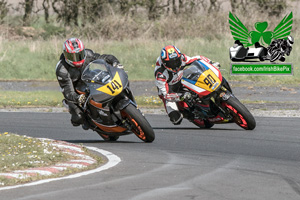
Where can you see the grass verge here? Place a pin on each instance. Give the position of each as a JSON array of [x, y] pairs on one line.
[[16, 99], [22, 152], [36, 59], [54, 99], [30, 99]]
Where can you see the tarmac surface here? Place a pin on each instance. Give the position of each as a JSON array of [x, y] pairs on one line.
[[264, 101]]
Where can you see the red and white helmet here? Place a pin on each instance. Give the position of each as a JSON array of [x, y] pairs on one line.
[[74, 52]]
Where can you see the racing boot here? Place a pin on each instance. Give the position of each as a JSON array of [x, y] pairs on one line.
[[74, 123], [76, 114], [85, 125], [175, 117]]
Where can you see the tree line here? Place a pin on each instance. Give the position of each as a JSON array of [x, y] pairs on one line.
[[80, 12]]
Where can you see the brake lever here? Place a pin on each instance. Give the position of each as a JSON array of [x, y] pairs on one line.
[[85, 103]]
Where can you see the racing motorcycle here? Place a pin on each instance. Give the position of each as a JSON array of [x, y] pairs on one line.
[[110, 107], [210, 99]]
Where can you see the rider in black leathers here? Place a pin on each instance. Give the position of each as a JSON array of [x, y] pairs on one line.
[[68, 73]]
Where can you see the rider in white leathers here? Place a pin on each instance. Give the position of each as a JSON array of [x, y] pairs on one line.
[[168, 73]]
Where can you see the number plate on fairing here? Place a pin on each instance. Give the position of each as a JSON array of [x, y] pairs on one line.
[[208, 81], [114, 87]]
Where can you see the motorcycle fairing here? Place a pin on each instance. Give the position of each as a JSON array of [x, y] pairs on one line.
[[110, 128], [193, 87], [111, 89], [105, 82], [96, 104], [208, 81], [215, 70], [202, 78], [114, 87]]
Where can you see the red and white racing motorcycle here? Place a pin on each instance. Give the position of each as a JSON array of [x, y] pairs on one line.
[[211, 100]]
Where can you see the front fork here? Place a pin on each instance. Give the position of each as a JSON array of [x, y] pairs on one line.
[[123, 102], [222, 96]]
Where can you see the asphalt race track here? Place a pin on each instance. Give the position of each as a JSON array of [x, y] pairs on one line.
[[184, 162]]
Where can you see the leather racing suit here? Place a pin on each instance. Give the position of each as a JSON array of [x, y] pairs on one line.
[[68, 77], [169, 84]]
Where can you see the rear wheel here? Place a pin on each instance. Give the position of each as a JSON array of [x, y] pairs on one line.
[[140, 126], [240, 113]]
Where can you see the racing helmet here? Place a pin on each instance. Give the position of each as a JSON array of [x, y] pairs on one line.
[[74, 52], [171, 58], [290, 40]]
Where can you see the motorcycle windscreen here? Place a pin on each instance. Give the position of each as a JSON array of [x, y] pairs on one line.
[[96, 72], [201, 75], [104, 80]]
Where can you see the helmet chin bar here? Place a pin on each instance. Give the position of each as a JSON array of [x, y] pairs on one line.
[[170, 69], [173, 70], [75, 64]]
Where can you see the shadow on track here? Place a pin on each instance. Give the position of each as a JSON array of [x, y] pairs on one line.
[[99, 141], [192, 128]]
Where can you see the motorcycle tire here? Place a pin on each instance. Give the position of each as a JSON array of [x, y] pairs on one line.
[[241, 115], [140, 126]]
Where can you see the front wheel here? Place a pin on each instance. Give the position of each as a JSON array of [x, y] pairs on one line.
[[240, 113], [140, 126]]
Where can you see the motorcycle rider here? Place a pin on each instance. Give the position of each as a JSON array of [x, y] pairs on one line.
[[69, 68], [279, 48], [168, 73]]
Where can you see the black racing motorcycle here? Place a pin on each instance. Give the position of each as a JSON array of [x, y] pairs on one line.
[[110, 107]]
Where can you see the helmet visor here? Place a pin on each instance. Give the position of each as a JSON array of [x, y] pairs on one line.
[[173, 65], [75, 57]]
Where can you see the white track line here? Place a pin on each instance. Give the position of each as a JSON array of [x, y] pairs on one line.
[[113, 160]]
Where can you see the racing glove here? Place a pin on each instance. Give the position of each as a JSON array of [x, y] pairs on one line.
[[186, 96], [215, 64], [172, 97], [81, 99]]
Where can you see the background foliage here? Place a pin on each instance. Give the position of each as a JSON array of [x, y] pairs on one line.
[[32, 32]]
